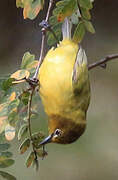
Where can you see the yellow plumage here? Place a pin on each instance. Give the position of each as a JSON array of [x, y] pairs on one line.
[[64, 90]]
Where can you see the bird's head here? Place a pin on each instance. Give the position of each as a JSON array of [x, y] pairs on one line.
[[63, 130]]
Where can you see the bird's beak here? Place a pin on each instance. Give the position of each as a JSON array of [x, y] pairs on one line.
[[46, 140]]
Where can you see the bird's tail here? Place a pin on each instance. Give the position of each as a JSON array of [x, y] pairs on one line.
[[66, 28]]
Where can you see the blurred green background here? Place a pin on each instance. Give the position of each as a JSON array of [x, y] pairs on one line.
[[95, 155]]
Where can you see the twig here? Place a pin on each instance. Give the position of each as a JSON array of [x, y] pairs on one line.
[[29, 121], [103, 61], [43, 40]]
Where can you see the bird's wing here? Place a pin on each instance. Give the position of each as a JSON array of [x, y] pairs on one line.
[[80, 65], [80, 80]]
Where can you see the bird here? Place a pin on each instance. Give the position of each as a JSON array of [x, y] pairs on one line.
[[65, 89]]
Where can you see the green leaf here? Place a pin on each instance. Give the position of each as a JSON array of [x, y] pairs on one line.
[[85, 14], [89, 26], [7, 84], [37, 138], [13, 118], [41, 153], [74, 18], [79, 32], [25, 97], [19, 3], [4, 147], [7, 176], [87, 4], [57, 30], [27, 59], [6, 163], [24, 146], [53, 20], [5, 155], [13, 105], [30, 159], [65, 8], [3, 109], [22, 131], [32, 67]]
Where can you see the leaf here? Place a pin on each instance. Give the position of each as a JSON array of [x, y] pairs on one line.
[[32, 8], [25, 97], [7, 84], [20, 75], [7, 176], [6, 163], [4, 147], [3, 123], [57, 30], [3, 109], [19, 3], [5, 155], [74, 18], [13, 117], [79, 32], [24, 146], [65, 8], [37, 138], [27, 59], [87, 4], [89, 26], [22, 131], [32, 66], [85, 14], [9, 132], [30, 159], [12, 96], [41, 153], [13, 105]]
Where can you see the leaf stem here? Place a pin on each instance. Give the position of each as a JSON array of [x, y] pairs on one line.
[[102, 62]]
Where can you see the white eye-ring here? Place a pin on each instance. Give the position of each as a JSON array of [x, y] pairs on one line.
[[57, 133]]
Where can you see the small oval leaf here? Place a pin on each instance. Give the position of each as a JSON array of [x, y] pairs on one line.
[[9, 132], [4, 147], [37, 138], [85, 13], [85, 4], [30, 159], [24, 146], [20, 75], [25, 97], [79, 32], [7, 176], [27, 60], [89, 26], [12, 96], [6, 163], [22, 131], [41, 153], [5, 155]]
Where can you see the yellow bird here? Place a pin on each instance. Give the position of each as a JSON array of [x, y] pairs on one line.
[[65, 89]]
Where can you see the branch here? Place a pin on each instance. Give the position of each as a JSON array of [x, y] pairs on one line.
[[103, 61], [29, 123], [43, 40]]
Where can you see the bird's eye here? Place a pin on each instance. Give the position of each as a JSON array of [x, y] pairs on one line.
[[57, 133]]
